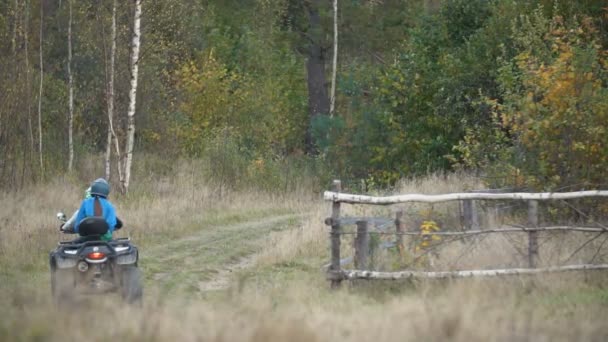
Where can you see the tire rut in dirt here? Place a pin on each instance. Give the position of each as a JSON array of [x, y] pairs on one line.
[[207, 256]]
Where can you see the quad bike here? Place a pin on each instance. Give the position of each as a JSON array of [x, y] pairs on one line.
[[89, 265]]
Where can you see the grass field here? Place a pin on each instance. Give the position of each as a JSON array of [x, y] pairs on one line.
[[248, 266]]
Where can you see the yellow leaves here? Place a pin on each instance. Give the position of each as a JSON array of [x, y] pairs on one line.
[[530, 96], [559, 112], [506, 119], [151, 135], [565, 55], [554, 107], [427, 236], [604, 60], [579, 146], [398, 85], [427, 227], [257, 166], [210, 97]]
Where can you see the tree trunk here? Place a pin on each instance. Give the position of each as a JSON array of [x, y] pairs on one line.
[[40, 93], [71, 94], [28, 81], [110, 99], [132, 95], [15, 28], [332, 104], [111, 116], [108, 154], [318, 102]]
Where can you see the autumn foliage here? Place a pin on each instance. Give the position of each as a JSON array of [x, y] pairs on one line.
[[551, 121]]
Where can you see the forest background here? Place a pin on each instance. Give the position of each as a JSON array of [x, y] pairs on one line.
[[515, 91]]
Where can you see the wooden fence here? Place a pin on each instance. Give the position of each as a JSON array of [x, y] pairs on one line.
[[336, 274]]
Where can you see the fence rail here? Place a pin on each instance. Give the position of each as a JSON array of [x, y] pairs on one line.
[[497, 230], [336, 274], [387, 200], [359, 274]]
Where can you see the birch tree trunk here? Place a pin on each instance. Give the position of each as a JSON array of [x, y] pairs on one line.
[[28, 85], [111, 132], [132, 95], [15, 28], [334, 62], [71, 93], [40, 93], [108, 155]]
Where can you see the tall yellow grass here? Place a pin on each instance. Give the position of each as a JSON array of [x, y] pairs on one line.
[[284, 296]]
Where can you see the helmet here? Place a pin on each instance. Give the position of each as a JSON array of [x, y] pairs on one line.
[[100, 187]]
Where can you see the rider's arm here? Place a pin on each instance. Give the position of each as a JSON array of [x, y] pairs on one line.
[[110, 216], [69, 224]]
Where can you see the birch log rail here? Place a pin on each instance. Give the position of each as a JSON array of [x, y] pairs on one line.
[[500, 230], [335, 274], [360, 274], [387, 200]]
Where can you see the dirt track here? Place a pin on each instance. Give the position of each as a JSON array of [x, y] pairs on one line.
[[206, 260]]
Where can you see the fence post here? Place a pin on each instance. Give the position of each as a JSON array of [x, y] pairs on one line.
[[334, 269], [399, 228], [474, 216], [532, 236], [361, 246], [471, 220]]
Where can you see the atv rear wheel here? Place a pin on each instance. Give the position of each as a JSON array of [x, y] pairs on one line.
[[62, 285], [131, 287]]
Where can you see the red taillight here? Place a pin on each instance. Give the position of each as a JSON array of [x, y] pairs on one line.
[[96, 256]]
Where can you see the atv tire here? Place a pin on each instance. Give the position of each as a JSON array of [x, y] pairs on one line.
[[131, 288], [62, 285]]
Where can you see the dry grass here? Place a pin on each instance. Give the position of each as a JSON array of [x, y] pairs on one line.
[[166, 207], [284, 296]]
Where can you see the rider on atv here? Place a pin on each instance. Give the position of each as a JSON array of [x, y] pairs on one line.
[[95, 263], [95, 204]]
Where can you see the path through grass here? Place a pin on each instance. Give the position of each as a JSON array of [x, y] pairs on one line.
[[202, 261]]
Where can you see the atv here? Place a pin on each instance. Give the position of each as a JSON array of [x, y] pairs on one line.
[[89, 265]]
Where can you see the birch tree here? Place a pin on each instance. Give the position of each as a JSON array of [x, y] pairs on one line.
[[71, 93], [15, 28], [132, 95], [28, 84], [110, 99], [334, 62], [40, 92]]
